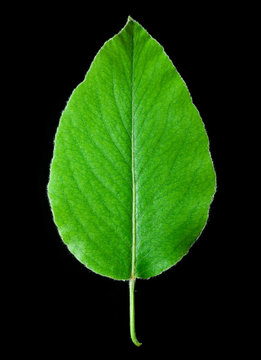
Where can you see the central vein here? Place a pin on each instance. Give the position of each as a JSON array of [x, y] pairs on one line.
[[133, 166], [133, 265]]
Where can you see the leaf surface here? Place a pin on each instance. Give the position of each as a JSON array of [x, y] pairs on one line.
[[131, 178]]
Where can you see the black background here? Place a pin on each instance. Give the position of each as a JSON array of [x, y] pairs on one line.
[[63, 308]]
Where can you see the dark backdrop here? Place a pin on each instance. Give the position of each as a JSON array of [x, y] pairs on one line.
[[64, 307]]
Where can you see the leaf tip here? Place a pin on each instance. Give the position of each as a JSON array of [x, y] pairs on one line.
[[130, 19]]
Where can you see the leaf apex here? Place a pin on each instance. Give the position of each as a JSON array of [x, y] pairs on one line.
[[130, 19]]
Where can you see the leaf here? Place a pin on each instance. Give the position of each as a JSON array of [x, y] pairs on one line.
[[131, 178]]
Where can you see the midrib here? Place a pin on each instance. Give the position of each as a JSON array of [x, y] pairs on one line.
[[133, 265]]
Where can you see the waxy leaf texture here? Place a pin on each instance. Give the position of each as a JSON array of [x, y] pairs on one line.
[[131, 178]]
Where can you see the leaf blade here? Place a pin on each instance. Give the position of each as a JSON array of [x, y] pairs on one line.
[[131, 149]]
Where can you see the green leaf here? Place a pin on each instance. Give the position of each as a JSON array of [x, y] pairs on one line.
[[131, 178]]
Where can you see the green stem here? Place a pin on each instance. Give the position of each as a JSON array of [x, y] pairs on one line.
[[132, 314]]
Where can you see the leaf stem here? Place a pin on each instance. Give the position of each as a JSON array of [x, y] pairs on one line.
[[132, 313]]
